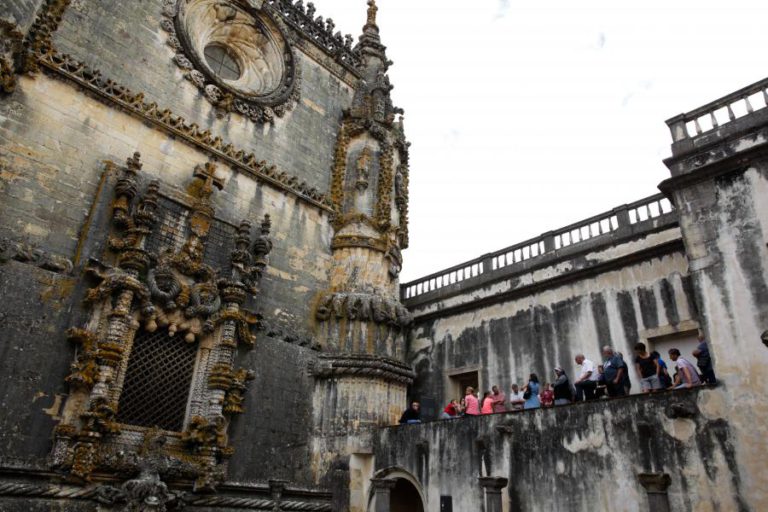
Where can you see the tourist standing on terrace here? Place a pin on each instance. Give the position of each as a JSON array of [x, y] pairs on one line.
[[499, 400], [531, 393], [412, 414], [471, 404], [648, 367], [704, 361], [666, 380], [686, 375], [547, 396], [451, 410], [563, 391], [613, 372], [516, 399], [587, 381], [487, 407]]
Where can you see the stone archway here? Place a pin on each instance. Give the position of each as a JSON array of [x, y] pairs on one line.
[[396, 490], [405, 497]]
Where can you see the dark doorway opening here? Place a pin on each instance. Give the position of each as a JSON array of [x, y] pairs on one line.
[[460, 382], [405, 497]]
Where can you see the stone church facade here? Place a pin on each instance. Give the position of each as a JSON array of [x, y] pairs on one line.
[[203, 205]]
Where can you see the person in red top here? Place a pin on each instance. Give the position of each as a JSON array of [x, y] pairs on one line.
[[451, 410], [472, 406], [547, 396], [487, 407]]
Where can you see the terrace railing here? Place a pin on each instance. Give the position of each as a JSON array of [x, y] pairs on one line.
[[718, 113], [628, 219]]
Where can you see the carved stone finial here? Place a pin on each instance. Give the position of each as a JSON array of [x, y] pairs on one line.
[[372, 9]]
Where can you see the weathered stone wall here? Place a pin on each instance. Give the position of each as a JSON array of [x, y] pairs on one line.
[[54, 193], [132, 50], [583, 457], [635, 290], [720, 181]]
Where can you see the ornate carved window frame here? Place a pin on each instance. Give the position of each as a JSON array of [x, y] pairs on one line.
[[175, 289], [221, 93]]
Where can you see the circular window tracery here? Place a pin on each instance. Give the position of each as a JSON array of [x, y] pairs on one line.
[[221, 62], [238, 57]]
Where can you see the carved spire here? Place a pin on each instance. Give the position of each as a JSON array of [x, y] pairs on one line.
[[370, 47]]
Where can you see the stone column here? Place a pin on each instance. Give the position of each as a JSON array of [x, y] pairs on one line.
[[493, 486], [656, 485], [382, 488]]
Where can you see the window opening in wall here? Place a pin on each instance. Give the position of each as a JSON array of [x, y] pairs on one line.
[[157, 381], [686, 342], [222, 62], [460, 382], [446, 503]]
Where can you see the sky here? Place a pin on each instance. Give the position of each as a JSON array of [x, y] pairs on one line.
[[528, 116]]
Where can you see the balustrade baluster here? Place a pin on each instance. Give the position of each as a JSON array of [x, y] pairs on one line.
[[697, 126]]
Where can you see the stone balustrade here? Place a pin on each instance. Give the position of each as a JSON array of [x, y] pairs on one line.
[[706, 120], [626, 220]]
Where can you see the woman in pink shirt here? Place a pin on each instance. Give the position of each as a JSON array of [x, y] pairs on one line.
[[473, 407], [487, 407]]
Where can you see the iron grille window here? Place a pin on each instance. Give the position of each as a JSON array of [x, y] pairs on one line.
[[157, 381], [171, 233]]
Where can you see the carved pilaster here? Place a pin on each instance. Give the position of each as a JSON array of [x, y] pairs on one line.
[[382, 490], [656, 485], [492, 486]]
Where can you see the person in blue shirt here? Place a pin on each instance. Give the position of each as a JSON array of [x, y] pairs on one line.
[[614, 372], [704, 361]]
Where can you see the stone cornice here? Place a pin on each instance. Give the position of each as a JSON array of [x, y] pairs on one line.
[[41, 53], [133, 103]]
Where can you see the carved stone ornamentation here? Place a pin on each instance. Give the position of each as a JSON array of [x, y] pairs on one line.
[[370, 124], [26, 252], [237, 54], [11, 55], [179, 292]]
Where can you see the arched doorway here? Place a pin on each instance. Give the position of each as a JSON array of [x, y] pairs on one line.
[[395, 490], [404, 497]]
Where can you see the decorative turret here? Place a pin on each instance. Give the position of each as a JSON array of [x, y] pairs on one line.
[[361, 378], [361, 313]]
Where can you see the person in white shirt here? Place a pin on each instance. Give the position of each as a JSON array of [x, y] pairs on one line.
[[516, 399], [586, 383]]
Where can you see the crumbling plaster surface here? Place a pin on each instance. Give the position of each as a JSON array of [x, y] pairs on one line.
[[555, 270], [580, 458], [537, 332], [724, 222]]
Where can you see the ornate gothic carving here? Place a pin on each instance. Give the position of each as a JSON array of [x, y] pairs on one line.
[[363, 307], [269, 79], [26, 252], [360, 365], [173, 290], [11, 55], [371, 117], [318, 30]]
